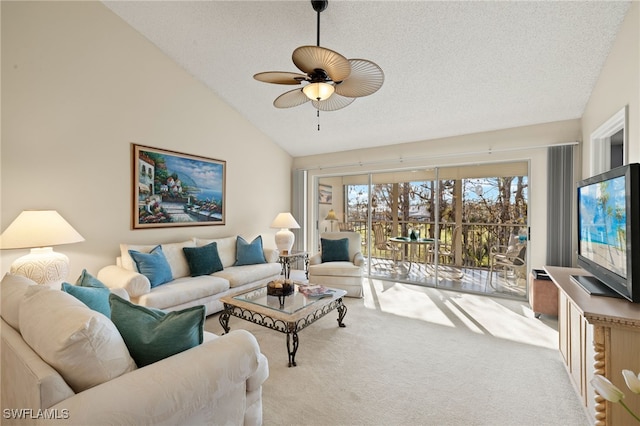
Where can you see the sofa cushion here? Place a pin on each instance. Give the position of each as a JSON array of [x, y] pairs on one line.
[[183, 290], [153, 265], [95, 298], [125, 258], [81, 344], [203, 260], [226, 248], [176, 258], [335, 250], [152, 335], [240, 275], [249, 253], [12, 290], [172, 251]]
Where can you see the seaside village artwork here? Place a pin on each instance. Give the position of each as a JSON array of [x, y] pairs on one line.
[[174, 189]]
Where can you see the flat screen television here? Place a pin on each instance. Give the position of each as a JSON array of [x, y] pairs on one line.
[[609, 233]]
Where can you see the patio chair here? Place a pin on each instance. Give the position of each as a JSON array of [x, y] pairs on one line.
[[510, 259], [447, 251], [345, 226], [382, 244]]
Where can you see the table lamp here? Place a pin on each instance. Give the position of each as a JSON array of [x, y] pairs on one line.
[[331, 217], [284, 237], [39, 230]]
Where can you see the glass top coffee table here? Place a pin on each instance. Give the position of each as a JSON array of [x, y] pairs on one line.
[[286, 314]]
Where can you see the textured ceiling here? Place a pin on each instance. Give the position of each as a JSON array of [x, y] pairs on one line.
[[451, 68]]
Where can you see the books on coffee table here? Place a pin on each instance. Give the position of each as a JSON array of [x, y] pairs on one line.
[[315, 291]]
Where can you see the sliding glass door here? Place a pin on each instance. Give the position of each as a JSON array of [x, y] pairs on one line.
[[444, 227]]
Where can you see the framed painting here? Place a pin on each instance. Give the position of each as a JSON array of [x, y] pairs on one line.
[[172, 189], [324, 194]]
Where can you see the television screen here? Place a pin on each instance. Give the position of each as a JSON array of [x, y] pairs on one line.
[[603, 224], [608, 233]]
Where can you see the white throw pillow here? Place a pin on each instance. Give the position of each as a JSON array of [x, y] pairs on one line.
[[126, 259], [177, 259], [226, 248], [83, 345], [13, 289]]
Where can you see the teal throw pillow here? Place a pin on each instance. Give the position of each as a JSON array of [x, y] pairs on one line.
[[203, 260], [153, 265], [335, 250], [152, 334], [249, 253], [95, 298], [87, 280]]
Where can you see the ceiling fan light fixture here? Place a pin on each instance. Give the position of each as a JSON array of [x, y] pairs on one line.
[[318, 91]]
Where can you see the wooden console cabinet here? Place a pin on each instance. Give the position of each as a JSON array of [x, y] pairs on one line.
[[598, 335]]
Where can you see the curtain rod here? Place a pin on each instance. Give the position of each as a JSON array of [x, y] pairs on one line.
[[422, 157]]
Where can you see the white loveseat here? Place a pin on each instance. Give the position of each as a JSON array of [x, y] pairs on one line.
[[184, 290], [96, 382]]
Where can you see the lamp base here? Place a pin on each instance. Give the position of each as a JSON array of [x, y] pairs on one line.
[[42, 265], [284, 240]]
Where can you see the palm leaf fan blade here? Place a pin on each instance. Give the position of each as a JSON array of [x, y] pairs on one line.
[[280, 77], [292, 98], [365, 79], [311, 58]]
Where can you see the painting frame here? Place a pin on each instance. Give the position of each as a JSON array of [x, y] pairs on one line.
[[325, 194], [174, 189]]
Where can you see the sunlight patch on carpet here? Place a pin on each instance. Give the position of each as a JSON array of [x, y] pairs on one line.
[[481, 314]]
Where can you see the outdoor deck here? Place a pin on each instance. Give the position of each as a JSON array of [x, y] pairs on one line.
[[468, 280]]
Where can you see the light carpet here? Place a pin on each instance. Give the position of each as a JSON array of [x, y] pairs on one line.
[[412, 355]]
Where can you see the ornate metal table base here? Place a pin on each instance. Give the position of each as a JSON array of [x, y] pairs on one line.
[[290, 328]]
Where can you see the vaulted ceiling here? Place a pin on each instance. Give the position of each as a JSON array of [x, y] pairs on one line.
[[451, 67]]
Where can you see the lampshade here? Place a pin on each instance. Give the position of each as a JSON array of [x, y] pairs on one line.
[[318, 91], [331, 215], [284, 238], [285, 220], [38, 230]]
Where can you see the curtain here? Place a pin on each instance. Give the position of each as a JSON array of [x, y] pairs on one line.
[[560, 194], [298, 208]]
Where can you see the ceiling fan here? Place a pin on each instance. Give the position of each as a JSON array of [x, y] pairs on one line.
[[331, 81]]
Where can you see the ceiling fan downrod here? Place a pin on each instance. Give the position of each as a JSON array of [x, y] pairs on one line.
[[319, 6]]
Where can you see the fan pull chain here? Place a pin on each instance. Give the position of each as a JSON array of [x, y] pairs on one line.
[[318, 115]]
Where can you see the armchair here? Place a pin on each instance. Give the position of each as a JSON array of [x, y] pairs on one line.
[[335, 271]]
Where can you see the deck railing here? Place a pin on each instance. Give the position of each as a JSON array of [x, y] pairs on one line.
[[475, 242]]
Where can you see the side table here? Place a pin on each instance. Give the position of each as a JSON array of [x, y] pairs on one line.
[[286, 260]]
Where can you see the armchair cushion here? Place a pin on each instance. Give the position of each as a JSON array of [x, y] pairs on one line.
[[153, 265], [152, 334], [203, 260], [249, 253], [335, 250]]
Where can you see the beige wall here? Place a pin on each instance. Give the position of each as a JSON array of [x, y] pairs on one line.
[[618, 85], [522, 144], [78, 87]]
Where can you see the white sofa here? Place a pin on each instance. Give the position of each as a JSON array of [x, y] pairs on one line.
[[186, 291], [346, 274], [216, 382]]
